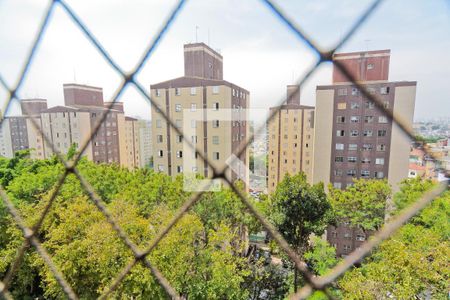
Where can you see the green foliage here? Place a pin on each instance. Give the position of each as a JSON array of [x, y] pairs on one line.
[[363, 204], [413, 264], [410, 190], [321, 257]]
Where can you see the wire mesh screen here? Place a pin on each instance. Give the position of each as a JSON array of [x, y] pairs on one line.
[[30, 234]]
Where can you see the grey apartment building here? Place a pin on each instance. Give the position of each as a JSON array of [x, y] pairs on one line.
[[215, 104], [354, 138]]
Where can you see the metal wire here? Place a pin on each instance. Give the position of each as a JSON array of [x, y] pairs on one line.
[[70, 167]]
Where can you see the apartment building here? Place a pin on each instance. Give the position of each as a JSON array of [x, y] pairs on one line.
[[354, 138], [217, 114], [291, 137], [145, 142]]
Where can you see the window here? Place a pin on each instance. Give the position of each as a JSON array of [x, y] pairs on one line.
[[342, 105], [193, 123], [216, 106], [193, 91], [386, 104], [381, 147], [215, 139], [347, 248], [342, 92], [351, 173], [360, 237], [158, 92], [215, 89], [354, 105], [347, 235], [367, 147], [365, 160], [160, 168], [368, 119], [340, 133], [339, 146], [179, 138], [216, 155], [215, 123], [379, 161], [384, 90], [340, 119], [178, 107], [382, 132], [178, 123], [158, 123], [339, 159], [370, 105], [354, 119], [351, 159], [194, 139], [337, 173], [179, 169], [234, 92], [352, 147], [160, 153], [355, 92], [195, 154], [193, 106], [194, 169], [354, 133], [337, 185], [379, 175], [382, 119], [371, 90], [367, 133], [365, 173], [179, 154], [370, 66], [159, 138], [177, 91]]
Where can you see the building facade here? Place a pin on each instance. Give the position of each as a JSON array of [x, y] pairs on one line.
[[214, 108], [291, 137], [354, 137]]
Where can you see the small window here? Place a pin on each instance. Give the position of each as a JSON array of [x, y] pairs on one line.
[[215, 139], [339, 159], [382, 119], [339, 146], [340, 119], [177, 91], [351, 173], [179, 169], [193, 123], [340, 133], [367, 147], [365, 160], [368, 133], [337, 185], [160, 168], [193, 106], [370, 66], [342, 105], [158, 123], [382, 133], [386, 104], [179, 138], [215, 90], [384, 90], [354, 119], [370, 105], [354, 133], [354, 105], [194, 169], [216, 106], [177, 107], [368, 119], [371, 90], [159, 138], [360, 237], [216, 155], [352, 147], [215, 123], [194, 139], [342, 92], [355, 92], [381, 147], [160, 153], [193, 91], [379, 175], [351, 159], [338, 173], [365, 173], [157, 92], [178, 123], [179, 154], [379, 161]]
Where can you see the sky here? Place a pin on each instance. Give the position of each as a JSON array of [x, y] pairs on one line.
[[260, 53]]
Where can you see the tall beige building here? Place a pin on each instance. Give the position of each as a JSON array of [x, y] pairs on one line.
[[214, 108], [291, 136]]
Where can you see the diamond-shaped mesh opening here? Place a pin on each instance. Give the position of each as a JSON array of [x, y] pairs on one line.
[[139, 253]]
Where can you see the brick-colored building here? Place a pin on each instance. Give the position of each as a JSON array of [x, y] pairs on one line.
[[291, 136], [205, 95], [354, 138]]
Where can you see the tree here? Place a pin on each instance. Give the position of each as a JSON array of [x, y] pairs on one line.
[[362, 205], [321, 257], [299, 210], [410, 190]]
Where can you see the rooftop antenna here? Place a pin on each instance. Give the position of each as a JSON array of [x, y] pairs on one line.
[[196, 33]]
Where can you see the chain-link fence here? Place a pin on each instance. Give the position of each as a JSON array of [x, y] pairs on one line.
[[129, 78]]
